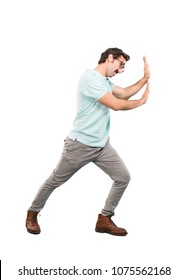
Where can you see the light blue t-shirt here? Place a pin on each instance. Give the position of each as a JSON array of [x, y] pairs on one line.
[[92, 122]]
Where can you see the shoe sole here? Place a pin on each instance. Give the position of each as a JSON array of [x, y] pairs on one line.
[[112, 233], [33, 232]]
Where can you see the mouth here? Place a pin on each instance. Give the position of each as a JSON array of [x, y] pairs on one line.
[[114, 73]]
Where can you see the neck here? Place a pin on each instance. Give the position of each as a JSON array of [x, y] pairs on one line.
[[101, 69]]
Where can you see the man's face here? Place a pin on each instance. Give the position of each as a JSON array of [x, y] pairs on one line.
[[115, 66]]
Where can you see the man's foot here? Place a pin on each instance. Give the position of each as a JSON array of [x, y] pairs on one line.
[[106, 225], [31, 222]]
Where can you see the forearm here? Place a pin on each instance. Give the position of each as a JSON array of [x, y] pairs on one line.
[[133, 89], [128, 92], [123, 104], [109, 100]]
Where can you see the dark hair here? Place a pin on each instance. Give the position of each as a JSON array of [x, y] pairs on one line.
[[115, 52]]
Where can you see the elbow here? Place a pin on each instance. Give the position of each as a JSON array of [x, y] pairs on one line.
[[116, 109], [116, 106]]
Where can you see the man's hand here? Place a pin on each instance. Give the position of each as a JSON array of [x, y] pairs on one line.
[[146, 93], [146, 68]]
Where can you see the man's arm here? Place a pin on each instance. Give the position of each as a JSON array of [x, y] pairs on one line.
[[109, 100], [126, 93]]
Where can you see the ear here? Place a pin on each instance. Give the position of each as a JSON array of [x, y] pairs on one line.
[[110, 58]]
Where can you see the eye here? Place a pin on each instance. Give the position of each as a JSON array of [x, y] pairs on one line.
[[122, 64]]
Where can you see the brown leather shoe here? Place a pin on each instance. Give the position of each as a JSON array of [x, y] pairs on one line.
[[106, 225], [31, 222]]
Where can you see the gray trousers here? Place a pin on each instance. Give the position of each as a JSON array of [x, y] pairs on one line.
[[75, 155]]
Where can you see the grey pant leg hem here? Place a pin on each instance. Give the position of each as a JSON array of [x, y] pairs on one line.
[[107, 213], [33, 209]]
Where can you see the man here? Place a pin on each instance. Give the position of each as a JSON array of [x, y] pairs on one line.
[[88, 141]]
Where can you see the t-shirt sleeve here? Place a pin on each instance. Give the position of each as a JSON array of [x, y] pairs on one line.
[[95, 87], [112, 85]]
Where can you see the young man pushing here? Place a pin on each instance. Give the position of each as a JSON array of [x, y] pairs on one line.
[[88, 141]]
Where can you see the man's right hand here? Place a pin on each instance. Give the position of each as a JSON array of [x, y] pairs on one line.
[[146, 68], [146, 93]]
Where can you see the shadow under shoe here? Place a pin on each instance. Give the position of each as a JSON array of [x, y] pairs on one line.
[[32, 223], [106, 225]]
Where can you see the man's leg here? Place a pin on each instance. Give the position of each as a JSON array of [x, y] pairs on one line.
[[69, 163], [72, 159], [110, 162]]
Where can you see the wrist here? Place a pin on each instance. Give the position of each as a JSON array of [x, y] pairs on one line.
[[145, 79]]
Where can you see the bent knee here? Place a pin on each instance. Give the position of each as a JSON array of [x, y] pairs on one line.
[[125, 178]]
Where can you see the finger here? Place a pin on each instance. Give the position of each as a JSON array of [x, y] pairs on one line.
[[145, 59]]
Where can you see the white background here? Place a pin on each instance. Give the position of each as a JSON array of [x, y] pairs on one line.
[[45, 47]]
